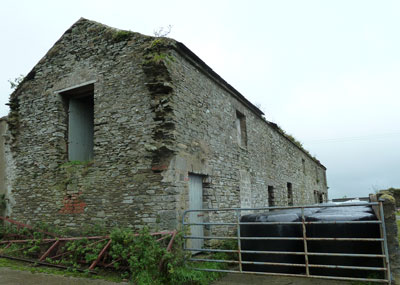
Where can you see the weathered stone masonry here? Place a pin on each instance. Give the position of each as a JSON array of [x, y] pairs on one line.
[[160, 114]]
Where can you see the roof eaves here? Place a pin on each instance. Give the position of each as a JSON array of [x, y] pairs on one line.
[[192, 57]]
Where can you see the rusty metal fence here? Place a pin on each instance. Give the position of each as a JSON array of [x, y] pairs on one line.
[[239, 264], [22, 242]]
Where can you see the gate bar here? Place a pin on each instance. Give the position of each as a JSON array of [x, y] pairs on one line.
[[288, 252], [284, 207], [296, 275], [285, 238], [283, 223], [291, 264]]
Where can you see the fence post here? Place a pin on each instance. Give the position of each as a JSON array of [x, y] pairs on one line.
[[382, 229], [238, 239], [388, 209], [305, 241], [184, 231]]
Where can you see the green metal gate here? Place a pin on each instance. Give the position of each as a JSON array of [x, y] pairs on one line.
[[232, 231]]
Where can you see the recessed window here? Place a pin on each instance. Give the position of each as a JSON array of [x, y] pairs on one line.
[[241, 129], [290, 194], [321, 197], [80, 107], [271, 196], [316, 196], [303, 162]]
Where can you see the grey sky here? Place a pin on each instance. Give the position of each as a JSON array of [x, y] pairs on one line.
[[328, 72]]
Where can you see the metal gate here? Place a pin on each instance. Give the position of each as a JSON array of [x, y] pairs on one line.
[[232, 231]]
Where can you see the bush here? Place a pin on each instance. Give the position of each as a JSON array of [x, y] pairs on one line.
[[140, 257]]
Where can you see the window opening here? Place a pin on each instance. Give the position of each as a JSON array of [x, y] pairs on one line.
[[271, 196], [321, 197], [241, 129], [316, 196], [303, 162], [290, 194], [80, 112]]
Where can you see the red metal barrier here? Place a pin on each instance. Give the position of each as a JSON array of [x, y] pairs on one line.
[[57, 246]]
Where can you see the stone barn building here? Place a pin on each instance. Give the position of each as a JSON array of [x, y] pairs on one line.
[[119, 128]]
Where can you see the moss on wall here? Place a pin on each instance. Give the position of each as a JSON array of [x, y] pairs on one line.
[[393, 192]]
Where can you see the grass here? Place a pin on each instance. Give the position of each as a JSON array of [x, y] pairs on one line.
[[24, 266], [183, 275], [186, 275]]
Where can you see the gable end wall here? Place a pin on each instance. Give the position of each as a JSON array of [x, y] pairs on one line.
[[117, 187]]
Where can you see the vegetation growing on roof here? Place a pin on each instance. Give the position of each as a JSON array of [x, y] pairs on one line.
[[13, 116], [156, 52], [293, 140], [14, 83], [122, 35], [161, 32], [156, 43]]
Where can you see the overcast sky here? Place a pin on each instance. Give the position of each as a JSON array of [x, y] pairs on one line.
[[328, 72]]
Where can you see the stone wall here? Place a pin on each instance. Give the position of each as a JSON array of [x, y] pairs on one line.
[[119, 185], [158, 116], [234, 175], [393, 192], [392, 232]]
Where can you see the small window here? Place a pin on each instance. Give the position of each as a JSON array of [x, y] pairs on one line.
[[316, 197], [321, 197], [290, 194], [271, 196], [241, 129], [303, 162], [80, 106]]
